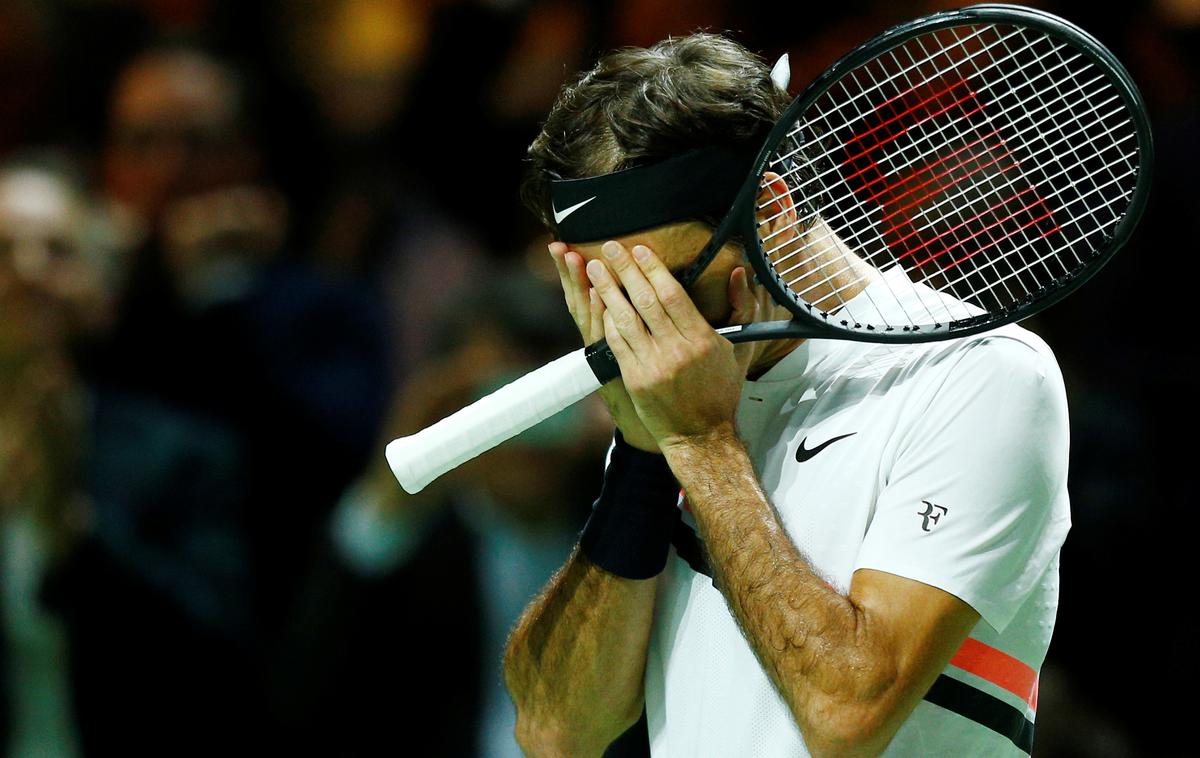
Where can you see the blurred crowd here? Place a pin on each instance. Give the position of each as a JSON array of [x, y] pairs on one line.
[[244, 244]]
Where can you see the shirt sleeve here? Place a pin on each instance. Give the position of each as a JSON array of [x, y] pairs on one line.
[[975, 502]]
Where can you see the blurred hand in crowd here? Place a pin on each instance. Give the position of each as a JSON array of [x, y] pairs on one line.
[[436, 390], [528, 475]]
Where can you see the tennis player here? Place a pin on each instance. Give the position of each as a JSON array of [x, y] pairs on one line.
[[816, 548]]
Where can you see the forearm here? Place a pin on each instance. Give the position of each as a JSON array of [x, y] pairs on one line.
[[838, 678], [575, 660]]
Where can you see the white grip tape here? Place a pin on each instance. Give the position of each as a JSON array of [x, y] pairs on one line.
[[420, 458]]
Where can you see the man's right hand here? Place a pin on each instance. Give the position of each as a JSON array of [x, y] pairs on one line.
[[588, 311]]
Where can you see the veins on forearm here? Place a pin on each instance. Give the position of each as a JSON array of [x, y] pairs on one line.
[[811, 639], [547, 632], [563, 659]]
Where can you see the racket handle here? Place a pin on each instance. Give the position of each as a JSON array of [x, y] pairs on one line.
[[420, 458]]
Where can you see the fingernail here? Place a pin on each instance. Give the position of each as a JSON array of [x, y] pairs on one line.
[[611, 250], [641, 252], [594, 269]]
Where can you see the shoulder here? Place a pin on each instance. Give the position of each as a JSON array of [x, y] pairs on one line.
[[1010, 358], [1004, 386]]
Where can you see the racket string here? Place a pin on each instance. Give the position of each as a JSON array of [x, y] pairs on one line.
[[1057, 193], [954, 125], [991, 209], [1018, 136], [932, 135], [800, 127], [1131, 172], [947, 200], [1058, 126], [1107, 133], [1087, 233], [940, 147]]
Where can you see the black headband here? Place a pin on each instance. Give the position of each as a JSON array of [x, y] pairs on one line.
[[689, 185]]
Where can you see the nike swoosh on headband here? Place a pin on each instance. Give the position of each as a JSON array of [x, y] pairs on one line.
[[803, 455], [560, 215]]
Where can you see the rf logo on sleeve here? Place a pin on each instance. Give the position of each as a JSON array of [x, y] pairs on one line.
[[930, 516]]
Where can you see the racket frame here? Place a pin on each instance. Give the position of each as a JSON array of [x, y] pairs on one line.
[[808, 322]]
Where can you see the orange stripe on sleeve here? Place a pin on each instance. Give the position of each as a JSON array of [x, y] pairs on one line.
[[999, 668]]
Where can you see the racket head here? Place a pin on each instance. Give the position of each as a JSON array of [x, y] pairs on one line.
[[982, 163]]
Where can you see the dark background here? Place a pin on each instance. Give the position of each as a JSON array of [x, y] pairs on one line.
[[273, 232]]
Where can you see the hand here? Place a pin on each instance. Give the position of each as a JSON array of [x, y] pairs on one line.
[[433, 391], [684, 379], [587, 310]]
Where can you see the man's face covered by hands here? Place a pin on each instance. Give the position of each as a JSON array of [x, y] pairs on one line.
[[677, 245]]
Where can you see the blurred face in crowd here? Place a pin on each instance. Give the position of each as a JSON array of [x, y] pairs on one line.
[[174, 131], [42, 269]]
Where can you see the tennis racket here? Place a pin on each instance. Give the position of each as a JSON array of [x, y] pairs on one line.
[[956, 173]]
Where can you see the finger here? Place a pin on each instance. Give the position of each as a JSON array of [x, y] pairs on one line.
[[671, 295], [638, 289], [579, 281], [626, 356], [557, 250], [591, 323], [573, 262], [573, 292], [624, 316], [596, 315]]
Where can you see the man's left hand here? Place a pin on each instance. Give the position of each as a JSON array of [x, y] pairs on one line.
[[684, 378]]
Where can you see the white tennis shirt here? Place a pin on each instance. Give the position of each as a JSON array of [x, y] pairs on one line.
[[945, 463]]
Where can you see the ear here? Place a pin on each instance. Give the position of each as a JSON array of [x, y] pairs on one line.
[[742, 303], [776, 210]]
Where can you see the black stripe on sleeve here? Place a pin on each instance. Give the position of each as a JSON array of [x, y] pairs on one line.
[[983, 709]]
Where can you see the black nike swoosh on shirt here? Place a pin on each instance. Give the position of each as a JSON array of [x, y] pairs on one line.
[[803, 455]]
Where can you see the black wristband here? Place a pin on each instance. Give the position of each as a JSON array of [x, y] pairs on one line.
[[629, 531]]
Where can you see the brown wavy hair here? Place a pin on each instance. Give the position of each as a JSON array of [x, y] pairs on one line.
[[638, 106]]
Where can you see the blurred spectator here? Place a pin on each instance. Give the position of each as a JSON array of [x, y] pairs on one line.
[[176, 127], [355, 60], [54, 285], [55, 238], [398, 646], [237, 393], [368, 214]]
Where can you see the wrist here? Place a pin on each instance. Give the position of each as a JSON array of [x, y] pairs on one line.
[[629, 531], [641, 440], [703, 462], [714, 441], [620, 407]]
